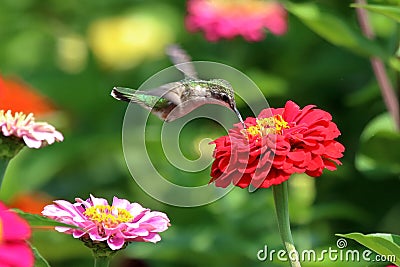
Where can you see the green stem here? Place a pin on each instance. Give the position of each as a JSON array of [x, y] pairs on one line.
[[101, 261], [280, 193], [3, 166]]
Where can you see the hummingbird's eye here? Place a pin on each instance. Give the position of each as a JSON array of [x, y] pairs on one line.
[[225, 98]]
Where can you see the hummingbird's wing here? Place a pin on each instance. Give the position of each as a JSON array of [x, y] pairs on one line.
[[132, 95], [170, 92], [182, 61], [159, 101], [155, 104]]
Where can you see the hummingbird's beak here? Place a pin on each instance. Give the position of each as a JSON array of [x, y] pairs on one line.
[[239, 116]]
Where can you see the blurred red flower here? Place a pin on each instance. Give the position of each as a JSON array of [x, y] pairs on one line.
[[14, 231], [228, 19], [276, 144], [32, 202], [17, 96]]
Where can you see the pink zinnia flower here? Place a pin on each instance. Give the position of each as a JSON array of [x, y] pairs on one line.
[[14, 231], [276, 144], [116, 224], [34, 134], [227, 19]]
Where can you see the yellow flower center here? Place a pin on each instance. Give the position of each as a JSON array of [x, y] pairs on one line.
[[265, 126], [107, 215], [240, 6]]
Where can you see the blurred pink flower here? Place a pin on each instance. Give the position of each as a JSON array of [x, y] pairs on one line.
[[116, 224], [14, 231], [227, 19], [34, 134]]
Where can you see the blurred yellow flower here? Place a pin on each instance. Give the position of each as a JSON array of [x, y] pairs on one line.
[[71, 53], [125, 41]]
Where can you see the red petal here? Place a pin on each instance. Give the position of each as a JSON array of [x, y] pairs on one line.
[[291, 111], [318, 149], [315, 163], [334, 149], [315, 116], [244, 181], [275, 177], [315, 173], [297, 155], [329, 165], [223, 163], [266, 113]]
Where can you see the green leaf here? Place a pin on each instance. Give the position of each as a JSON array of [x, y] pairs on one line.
[[392, 12], [36, 220], [383, 244], [373, 157], [334, 29], [395, 63], [39, 260], [381, 123], [364, 95]]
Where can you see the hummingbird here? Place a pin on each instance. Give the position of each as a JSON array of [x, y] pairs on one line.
[[176, 99]]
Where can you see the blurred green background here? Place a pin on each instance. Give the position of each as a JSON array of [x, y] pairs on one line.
[[73, 52]]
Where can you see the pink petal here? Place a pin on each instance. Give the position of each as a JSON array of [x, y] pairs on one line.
[[116, 242], [152, 237], [14, 227], [16, 254], [98, 201], [32, 143]]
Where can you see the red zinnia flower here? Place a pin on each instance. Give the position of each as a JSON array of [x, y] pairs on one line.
[[276, 144]]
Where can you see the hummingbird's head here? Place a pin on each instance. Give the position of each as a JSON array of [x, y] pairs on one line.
[[223, 91]]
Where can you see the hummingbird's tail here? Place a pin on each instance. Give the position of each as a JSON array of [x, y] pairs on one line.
[[121, 93]]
